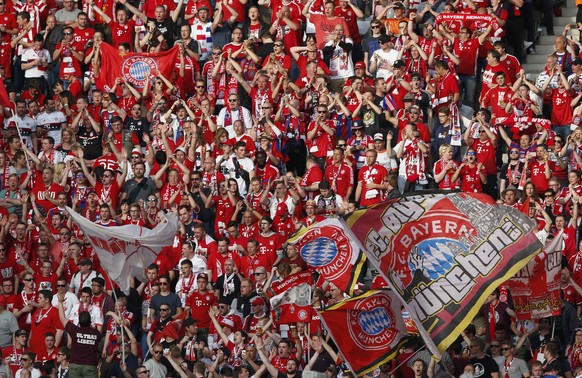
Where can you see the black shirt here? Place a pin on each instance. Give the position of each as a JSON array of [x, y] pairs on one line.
[[138, 126], [91, 142]]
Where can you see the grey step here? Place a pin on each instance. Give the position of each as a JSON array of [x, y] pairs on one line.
[[562, 21], [570, 4], [533, 68], [537, 59], [559, 29], [545, 49], [569, 12]]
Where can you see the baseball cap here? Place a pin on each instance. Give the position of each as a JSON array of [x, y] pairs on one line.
[[408, 97], [357, 124], [227, 322], [203, 276], [398, 64], [257, 301], [577, 61], [203, 7], [359, 64], [398, 4], [20, 332], [266, 136], [181, 149], [310, 203], [282, 209], [136, 151], [378, 136]]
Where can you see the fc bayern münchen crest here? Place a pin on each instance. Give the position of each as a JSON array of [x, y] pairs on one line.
[[372, 323], [137, 69], [327, 249]]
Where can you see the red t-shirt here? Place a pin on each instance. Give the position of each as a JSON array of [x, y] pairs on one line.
[[122, 33], [199, 304], [467, 53]]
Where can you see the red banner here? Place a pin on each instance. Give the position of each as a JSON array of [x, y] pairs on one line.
[[367, 329], [333, 251], [4, 99], [291, 298], [523, 122], [444, 254], [535, 289], [134, 67]]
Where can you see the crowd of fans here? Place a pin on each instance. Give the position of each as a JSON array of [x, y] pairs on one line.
[[277, 115]]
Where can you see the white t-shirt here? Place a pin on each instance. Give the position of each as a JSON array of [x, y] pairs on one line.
[[51, 122], [385, 60], [231, 172], [30, 55]]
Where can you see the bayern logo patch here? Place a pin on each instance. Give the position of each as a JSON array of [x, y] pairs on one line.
[[327, 249], [372, 322], [137, 69]]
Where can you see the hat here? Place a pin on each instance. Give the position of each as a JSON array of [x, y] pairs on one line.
[[310, 203], [282, 209], [266, 136], [357, 124], [398, 4], [359, 64], [85, 261], [510, 188], [20, 332], [227, 322], [202, 275], [408, 97], [229, 142], [378, 136], [203, 7], [398, 64], [257, 301], [383, 38], [577, 61], [136, 151], [181, 149]]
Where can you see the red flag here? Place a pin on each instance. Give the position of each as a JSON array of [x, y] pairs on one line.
[[4, 99], [535, 289], [134, 67], [333, 251], [173, 329], [367, 329], [525, 206], [443, 254]]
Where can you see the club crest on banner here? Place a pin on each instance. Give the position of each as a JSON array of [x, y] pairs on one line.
[[137, 69], [371, 326], [325, 249]]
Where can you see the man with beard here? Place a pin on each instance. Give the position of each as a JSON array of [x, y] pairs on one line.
[[290, 370], [139, 187]]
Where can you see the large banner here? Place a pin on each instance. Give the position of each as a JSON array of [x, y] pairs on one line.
[[291, 298], [126, 251], [133, 67], [535, 289], [367, 329], [443, 254], [333, 251]]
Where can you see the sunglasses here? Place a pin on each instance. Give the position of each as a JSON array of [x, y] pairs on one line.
[[81, 176], [68, 33], [200, 86], [495, 346], [157, 351], [504, 349], [375, 27], [322, 111], [152, 200], [470, 153], [514, 152], [163, 283], [278, 45], [61, 285], [27, 279], [232, 100], [164, 309]]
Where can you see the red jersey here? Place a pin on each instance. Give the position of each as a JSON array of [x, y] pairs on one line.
[[467, 53], [371, 174], [486, 153], [199, 304]]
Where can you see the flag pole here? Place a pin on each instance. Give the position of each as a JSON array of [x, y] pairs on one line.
[[20, 136], [122, 321], [408, 358]]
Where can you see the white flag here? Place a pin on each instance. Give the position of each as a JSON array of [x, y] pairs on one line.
[[126, 251]]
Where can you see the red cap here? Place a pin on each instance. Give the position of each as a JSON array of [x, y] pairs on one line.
[[227, 322], [359, 64], [257, 301], [281, 209]]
